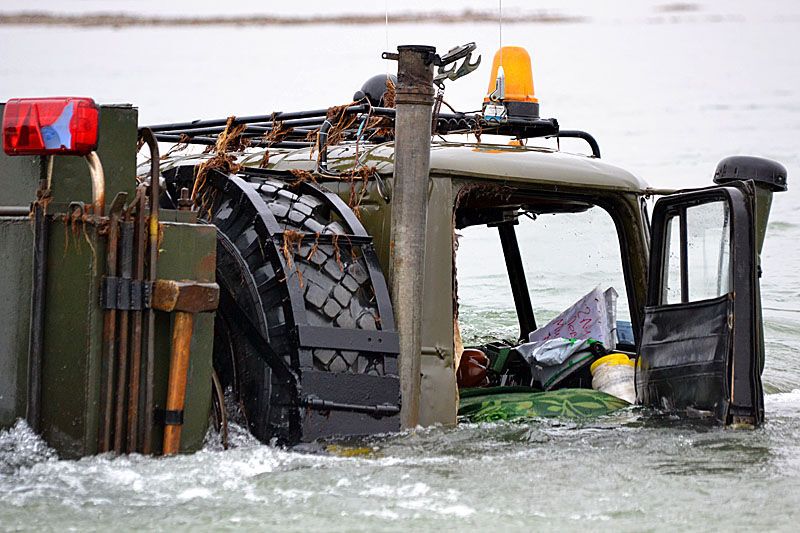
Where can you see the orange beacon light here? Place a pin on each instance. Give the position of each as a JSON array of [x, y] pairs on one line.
[[510, 92]]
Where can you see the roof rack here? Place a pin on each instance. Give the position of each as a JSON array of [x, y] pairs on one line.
[[359, 121]]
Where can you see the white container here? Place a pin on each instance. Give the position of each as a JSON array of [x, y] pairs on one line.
[[614, 375]]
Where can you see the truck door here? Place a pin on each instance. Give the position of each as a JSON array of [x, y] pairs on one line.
[[700, 348]]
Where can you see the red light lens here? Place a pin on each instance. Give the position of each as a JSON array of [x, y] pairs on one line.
[[44, 126]]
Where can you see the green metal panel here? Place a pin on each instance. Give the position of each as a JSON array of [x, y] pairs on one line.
[[72, 358], [72, 340], [16, 242], [186, 252]]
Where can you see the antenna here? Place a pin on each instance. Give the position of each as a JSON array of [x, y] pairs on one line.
[[500, 28], [386, 15]]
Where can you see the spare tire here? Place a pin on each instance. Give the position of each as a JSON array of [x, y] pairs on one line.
[[304, 337]]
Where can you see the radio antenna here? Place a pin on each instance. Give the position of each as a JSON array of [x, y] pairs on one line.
[[386, 19], [500, 28]]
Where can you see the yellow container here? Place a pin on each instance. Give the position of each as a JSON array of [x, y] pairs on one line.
[[611, 359]]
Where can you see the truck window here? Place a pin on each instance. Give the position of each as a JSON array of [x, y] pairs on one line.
[[705, 271], [565, 256]]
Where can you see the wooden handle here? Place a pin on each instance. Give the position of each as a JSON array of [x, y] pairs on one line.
[[178, 370]]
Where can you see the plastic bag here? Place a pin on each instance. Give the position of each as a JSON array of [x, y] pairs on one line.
[[592, 317], [552, 351]]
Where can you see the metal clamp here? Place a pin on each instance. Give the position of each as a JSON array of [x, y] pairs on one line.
[[168, 417], [125, 294]]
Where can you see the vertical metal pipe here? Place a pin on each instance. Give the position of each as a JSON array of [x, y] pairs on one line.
[[414, 103], [126, 271], [98, 183], [109, 341], [147, 135], [136, 333]]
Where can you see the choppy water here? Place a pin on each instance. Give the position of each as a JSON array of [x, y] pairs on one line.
[[667, 94]]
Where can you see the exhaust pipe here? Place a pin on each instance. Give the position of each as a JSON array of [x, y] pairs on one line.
[[769, 177]]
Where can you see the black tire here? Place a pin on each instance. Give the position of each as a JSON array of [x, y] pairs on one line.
[[330, 276]]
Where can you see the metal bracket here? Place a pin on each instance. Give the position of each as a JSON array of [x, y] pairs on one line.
[[168, 418], [362, 340], [125, 294], [452, 56], [456, 71]]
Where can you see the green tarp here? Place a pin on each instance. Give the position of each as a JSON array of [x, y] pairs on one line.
[[509, 403]]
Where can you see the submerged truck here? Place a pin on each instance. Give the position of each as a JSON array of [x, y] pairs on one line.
[[296, 270]]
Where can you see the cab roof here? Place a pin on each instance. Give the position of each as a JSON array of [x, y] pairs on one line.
[[480, 161]]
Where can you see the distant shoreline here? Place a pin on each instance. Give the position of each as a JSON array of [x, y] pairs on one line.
[[120, 20]]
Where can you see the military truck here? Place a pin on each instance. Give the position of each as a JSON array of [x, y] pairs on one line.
[[297, 269]]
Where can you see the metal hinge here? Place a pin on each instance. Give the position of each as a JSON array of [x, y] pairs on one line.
[[125, 294]]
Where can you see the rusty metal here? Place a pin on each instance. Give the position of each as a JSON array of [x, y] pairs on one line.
[[36, 346], [220, 413], [184, 296], [110, 331], [14, 211], [98, 183], [414, 102], [126, 271], [136, 330], [178, 369], [185, 202], [146, 134]]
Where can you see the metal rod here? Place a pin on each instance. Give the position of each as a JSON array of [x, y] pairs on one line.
[[210, 141], [414, 103], [14, 211], [322, 162], [98, 183], [377, 411], [109, 341], [288, 119], [147, 135], [38, 299], [178, 372], [577, 134], [126, 271], [238, 120], [251, 130], [516, 276], [136, 333], [684, 247]]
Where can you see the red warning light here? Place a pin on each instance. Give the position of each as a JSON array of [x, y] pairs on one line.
[[45, 126]]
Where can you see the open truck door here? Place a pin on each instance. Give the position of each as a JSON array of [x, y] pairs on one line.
[[701, 348]]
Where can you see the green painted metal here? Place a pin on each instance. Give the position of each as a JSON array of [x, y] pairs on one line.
[[16, 236], [73, 356], [186, 252]]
